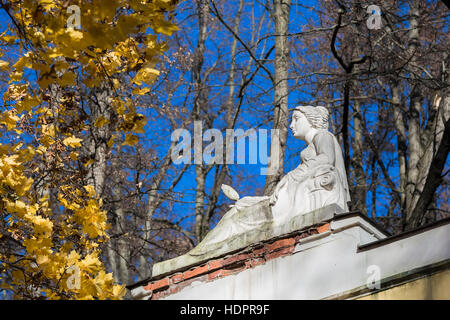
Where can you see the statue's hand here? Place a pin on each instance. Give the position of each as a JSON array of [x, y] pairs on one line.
[[280, 185]]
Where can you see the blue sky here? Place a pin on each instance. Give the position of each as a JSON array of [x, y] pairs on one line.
[[255, 114]]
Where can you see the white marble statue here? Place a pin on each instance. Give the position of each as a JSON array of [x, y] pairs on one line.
[[319, 180]]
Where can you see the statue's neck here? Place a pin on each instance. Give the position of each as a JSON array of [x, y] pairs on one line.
[[310, 135]]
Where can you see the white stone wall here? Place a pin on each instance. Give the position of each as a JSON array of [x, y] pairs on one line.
[[327, 264]]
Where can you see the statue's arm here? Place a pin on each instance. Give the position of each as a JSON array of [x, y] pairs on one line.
[[325, 154], [325, 149]]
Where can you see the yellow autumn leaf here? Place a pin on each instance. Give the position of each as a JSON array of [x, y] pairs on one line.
[[48, 130], [9, 39], [41, 149], [146, 75], [68, 79], [100, 122], [90, 263], [90, 190], [42, 259], [9, 119], [116, 83], [41, 225], [89, 162], [74, 155], [130, 140], [140, 122], [27, 103], [18, 207], [141, 92], [119, 291], [48, 4], [72, 257], [75, 35], [166, 28], [4, 65], [72, 142], [110, 142]]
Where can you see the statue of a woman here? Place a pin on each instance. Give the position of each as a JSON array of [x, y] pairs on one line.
[[318, 181]]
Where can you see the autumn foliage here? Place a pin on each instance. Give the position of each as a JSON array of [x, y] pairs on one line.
[[52, 225]]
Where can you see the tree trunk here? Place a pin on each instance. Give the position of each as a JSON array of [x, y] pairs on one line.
[[432, 163], [415, 147], [360, 190], [199, 101], [400, 128], [230, 119], [281, 91], [99, 138]]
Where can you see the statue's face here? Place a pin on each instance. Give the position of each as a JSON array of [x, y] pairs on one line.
[[300, 126]]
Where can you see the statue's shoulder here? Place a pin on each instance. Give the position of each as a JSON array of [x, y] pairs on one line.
[[323, 134]]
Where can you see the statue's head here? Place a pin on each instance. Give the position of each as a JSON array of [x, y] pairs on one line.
[[306, 117]]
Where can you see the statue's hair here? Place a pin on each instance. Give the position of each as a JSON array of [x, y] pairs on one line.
[[317, 116]]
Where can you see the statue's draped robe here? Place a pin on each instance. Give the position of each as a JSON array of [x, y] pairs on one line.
[[318, 181]]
